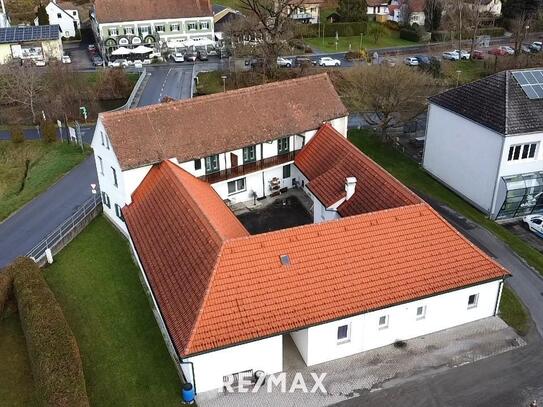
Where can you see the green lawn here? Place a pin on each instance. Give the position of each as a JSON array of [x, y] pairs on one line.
[[469, 71], [16, 388], [411, 174], [46, 164], [513, 312], [124, 356], [328, 44], [211, 82]]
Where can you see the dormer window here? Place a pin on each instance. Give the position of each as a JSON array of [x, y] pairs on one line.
[[212, 164], [283, 146], [249, 154]]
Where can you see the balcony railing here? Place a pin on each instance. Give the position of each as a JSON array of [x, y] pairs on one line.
[[248, 168]]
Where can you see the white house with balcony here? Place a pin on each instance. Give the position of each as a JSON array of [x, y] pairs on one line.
[[307, 12], [65, 15], [483, 140], [157, 24], [225, 299]]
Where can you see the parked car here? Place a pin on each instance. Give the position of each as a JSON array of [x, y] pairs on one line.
[[190, 56], [91, 48], [450, 56], [255, 63], [423, 59], [498, 51], [508, 50], [417, 142], [119, 63], [478, 54], [411, 61], [39, 62], [202, 55], [535, 224], [328, 61], [463, 54], [536, 46], [97, 61], [525, 49], [138, 63], [284, 62], [177, 57], [304, 62], [66, 59]]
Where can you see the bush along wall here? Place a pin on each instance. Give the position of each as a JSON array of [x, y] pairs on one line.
[[52, 348]]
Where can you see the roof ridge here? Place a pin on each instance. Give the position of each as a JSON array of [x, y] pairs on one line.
[[214, 96], [506, 124]]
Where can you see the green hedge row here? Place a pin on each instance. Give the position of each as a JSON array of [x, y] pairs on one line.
[[52, 348], [410, 35], [6, 282], [330, 29]]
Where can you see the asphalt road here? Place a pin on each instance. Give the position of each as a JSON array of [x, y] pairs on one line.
[[33, 134], [33, 222]]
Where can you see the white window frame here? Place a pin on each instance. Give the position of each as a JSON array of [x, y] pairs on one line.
[[175, 27], [192, 23], [163, 26], [119, 212], [385, 324], [129, 30], [521, 147], [101, 165], [235, 182], [113, 31], [144, 30], [115, 180], [347, 337], [474, 305], [421, 315], [203, 25]]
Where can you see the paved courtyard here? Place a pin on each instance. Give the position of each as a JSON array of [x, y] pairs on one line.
[[360, 374]]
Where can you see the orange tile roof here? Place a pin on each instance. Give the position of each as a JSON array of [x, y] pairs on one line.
[[178, 225], [207, 125], [216, 286], [114, 11], [329, 158]]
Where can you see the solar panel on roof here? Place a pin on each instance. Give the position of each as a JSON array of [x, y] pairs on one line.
[[531, 82], [29, 33]]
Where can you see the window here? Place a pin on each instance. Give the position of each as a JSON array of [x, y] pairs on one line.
[[113, 32], [159, 28], [129, 30], [472, 300], [114, 176], [191, 26], [236, 186], [119, 212], [107, 141], [249, 154], [59, 15], [204, 25], [282, 146], [174, 27], [212, 164], [74, 13], [286, 171], [421, 312], [197, 164], [522, 152], [105, 200], [101, 165], [383, 321], [102, 137], [343, 333], [144, 30]]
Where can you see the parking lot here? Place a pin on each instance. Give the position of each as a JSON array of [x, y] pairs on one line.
[[520, 229]]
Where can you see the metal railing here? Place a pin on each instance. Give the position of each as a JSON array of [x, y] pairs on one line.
[[67, 230]]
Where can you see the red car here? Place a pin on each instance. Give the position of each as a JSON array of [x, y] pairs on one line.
[[477, 54], [497, 51]]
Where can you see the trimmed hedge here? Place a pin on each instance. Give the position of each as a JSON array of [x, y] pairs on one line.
[[330, 29], [6, 283], [52, 348], [410, 35]]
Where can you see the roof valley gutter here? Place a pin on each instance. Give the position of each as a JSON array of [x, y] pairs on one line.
[[502, 278]]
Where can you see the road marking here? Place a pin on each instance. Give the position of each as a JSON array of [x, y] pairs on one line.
[[164, 85]]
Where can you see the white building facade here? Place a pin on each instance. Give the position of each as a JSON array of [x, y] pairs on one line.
[[67, 19]]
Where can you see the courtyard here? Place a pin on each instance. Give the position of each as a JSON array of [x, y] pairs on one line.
[[287, 210]]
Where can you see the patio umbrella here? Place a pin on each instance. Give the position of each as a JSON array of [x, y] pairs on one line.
[[141, 50], [121, 51]]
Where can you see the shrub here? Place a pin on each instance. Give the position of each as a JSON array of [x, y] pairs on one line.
[[392, 25], [6, 283], [52, 348], [410, 35], [48, 131], [16, 134]]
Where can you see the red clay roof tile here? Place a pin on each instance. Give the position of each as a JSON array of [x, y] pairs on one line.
[[113, 11]]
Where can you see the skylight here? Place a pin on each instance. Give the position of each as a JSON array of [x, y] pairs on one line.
[[285, 260], [531, 82]]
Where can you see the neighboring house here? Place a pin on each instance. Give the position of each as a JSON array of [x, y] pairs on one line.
[[222, 17], [407, 12], [492, 7], [377, 10], [65, 15], [377, 266], [484, 141], [30, 42], [4, 19], [171, 23], [307, 12]]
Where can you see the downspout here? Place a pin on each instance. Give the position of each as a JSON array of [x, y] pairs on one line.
[[497, 306], [193, 375]]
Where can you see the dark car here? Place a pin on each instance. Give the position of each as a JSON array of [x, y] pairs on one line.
[[190, 56], [304, 61], [202, 55], [254, 63], [97, 60], [423, 59]]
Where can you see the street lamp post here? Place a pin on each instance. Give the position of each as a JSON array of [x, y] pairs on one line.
[[458, 77], [223, 77]]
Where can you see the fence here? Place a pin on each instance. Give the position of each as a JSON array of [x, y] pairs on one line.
[[67, 230]]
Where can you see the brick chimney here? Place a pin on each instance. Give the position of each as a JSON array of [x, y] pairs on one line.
[[350, 187]]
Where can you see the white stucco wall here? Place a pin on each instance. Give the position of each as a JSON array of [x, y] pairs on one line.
[[463, 155], [67, 21], [443, 311], [210, 368]]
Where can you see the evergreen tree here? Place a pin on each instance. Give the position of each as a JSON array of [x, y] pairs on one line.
[[43, 18], [514, 8], [352, 10]]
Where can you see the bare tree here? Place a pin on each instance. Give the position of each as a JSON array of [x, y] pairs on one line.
[[272, 22], [386, 103], [22, 85], [476, 14], [433, 10], [519, 26]]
